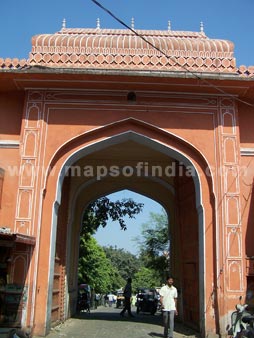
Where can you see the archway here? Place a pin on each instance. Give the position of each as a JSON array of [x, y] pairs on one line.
[[74, 194], [111, 254], [189, 267]]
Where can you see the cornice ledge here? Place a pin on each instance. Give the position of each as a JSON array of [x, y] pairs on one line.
[[247, 151], [9, 144]]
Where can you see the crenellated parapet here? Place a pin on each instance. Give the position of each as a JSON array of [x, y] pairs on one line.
[[244, 71], [122, 49], [12, 63]]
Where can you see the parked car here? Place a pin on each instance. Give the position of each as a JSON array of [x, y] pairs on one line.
[[147, 300]]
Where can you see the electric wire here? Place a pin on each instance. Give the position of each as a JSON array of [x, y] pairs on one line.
[[170, 57]]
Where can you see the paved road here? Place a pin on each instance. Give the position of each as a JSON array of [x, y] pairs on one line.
[[105, 322]]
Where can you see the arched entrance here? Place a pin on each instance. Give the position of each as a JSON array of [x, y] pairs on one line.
[[168, 173]]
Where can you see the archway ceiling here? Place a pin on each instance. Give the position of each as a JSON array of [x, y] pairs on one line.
[[127, 154]]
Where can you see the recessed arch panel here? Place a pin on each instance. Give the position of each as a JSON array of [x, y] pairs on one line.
[[162, 142], [138, 138]]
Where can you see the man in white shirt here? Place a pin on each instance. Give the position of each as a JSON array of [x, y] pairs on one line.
[[110, 299], [168, 299]]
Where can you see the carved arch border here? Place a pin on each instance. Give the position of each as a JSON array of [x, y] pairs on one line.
[[141, 132], [71, 151]]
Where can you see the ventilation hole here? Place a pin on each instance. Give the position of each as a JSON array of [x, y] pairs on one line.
[[131, 96]]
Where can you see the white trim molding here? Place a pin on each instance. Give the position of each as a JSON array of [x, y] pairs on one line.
[[9, 144], [247, 151]]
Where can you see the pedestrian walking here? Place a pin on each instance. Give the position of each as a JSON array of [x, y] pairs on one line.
[[110, 299], [168, 299], [127, 292]]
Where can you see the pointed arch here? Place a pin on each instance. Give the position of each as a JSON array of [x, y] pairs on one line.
[[128, 129], [154, 138]]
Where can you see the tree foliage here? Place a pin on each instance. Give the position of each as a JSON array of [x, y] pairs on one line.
[[146, 277], [126, 263], [107, 269], [102, 210], [154, 244], [94, 267]]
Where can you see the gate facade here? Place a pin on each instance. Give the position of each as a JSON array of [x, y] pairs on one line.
[[94, 111]]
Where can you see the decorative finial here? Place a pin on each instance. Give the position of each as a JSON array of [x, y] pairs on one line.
[[201, 27], [98, 24], [132, 23], [169, 25], [64, 24]]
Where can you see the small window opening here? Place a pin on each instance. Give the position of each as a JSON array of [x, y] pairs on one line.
[[131, 96]]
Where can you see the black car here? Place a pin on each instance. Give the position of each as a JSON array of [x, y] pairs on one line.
[[147, 300]]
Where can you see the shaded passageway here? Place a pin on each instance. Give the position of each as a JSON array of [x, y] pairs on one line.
[[161, 176], [105, 322]]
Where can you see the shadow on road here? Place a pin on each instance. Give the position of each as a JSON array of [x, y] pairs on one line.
[[113, 315]]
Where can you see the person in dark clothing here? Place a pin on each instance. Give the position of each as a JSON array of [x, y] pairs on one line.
[[127, 298]]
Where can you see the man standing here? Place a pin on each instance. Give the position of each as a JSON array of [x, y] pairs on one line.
[[168, 299], [127, 298]]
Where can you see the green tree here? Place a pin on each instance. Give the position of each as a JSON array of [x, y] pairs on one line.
[[102, 210], [154, 244], [146, 277], [125, 262], [94, 267]]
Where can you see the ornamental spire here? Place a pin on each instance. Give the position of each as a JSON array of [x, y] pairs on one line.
[[132, 23], [64, 24], [201, 27], [98, 24]]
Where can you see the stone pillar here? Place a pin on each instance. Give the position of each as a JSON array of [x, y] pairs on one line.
[[230, 228]]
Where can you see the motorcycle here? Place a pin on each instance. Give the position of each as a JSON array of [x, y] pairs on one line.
[[242, 322]]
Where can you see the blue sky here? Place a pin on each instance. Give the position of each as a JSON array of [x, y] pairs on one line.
[[223, 19], [113, 235], [227, 19]]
